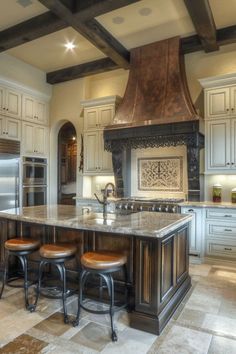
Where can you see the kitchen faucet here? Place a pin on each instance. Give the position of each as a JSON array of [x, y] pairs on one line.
[[104, 201]]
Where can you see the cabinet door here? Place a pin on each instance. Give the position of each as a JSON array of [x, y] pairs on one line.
[[13, 128], [233, 143], [2, 99], [105, 157], [195, 230], [218, 145], [13, 103], [105, 115], [233, 100], [27, 138], [40, 140], [28, 108], [218, 103], [41, 112], [2, 127], [90, 118], [91, 152]]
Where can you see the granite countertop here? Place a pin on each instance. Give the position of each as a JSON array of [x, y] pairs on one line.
[[150, 224], [206, 204]]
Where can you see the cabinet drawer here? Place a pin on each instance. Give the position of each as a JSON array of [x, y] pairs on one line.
[[224, 214], [221, 229], [215, 248]]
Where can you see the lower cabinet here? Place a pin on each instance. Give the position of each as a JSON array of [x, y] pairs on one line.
[[34, 139], [220, 232], [196, 230]]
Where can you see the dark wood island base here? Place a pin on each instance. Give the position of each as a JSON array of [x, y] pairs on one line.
[[157, 266]]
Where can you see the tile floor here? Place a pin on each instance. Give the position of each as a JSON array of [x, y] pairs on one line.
[[205, 323]]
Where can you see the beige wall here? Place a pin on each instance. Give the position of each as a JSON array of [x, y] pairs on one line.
[[24, 74]]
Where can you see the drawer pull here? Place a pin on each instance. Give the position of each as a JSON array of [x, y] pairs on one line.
[[190, 210], [228, 229], [228, 216], [227, 249]]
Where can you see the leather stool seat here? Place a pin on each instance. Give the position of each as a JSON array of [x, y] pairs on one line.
[[57, 250], [21, 244], [102, 260]]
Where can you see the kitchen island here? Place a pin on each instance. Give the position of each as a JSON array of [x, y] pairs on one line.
[[156, 245]]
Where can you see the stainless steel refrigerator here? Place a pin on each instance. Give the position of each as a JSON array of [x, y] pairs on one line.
[[9, 174]]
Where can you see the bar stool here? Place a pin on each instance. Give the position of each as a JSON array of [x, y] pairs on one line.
[[55, 254], [103, 264], [20, 248]]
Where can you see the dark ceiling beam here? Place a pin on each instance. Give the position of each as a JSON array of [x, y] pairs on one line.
[[226, 35], [82, 70], [98, 36], [203, 21], [29, 30]]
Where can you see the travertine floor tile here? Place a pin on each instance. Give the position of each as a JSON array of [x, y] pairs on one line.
[[220, 325], [23, 344], [221, 345], [185, 341]]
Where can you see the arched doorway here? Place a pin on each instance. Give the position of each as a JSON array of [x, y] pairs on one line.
[[67, 156]]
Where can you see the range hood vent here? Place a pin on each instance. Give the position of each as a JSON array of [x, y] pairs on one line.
[[156, 111], [156, 92]]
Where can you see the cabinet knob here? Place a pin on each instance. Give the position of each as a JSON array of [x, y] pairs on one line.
[[6, 132], [227, 109], [3, 132], [7, 109], [4, 108], [228, 163], [227, 249], [232, 109]]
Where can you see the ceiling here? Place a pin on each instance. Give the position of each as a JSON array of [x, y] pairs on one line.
[[140, 23]]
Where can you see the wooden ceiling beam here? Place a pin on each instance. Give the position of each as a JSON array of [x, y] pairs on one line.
[[226, 35], [93, 32], [29, 30], [82, 70], [202, 18]]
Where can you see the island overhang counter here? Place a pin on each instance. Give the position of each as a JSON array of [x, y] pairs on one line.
[[156, 245]]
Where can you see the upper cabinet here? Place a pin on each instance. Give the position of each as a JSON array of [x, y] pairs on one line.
[[10, 102], [34, 140], [220, 124], [34, 110], [98, 113], [220, 102]]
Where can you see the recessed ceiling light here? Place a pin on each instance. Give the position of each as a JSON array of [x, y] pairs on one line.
[[70, 45], [118, 20], [145, 11], [24, 3]]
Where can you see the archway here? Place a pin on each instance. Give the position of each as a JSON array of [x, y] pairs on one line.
[[67, 156]]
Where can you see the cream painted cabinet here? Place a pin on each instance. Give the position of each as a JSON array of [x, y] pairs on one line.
[[98, 117], [220, 231], [34, 110], [10, 128], [10, 102], [34, 139], [97, 160], [221, 145], [196, 230], [98, 113]]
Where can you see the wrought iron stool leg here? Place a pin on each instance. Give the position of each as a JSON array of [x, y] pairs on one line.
[[32, 307], [82, 279], [62, 270], [111, 285], [5, 273], [24, 264]]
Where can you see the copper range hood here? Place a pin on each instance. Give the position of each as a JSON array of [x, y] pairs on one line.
[[156, 111]]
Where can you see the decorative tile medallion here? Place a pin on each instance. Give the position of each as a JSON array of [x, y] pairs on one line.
[[160, 174]]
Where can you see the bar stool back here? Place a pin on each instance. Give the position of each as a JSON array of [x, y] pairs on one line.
[[20, 248], [103, 264]]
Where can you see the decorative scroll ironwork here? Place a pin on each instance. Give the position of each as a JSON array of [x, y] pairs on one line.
[[154, 141]]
